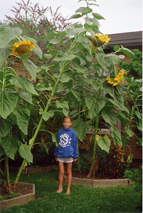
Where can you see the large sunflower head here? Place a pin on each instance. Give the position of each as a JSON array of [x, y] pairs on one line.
[[22, 48], [99, 40], [104, 39], [118, 78]]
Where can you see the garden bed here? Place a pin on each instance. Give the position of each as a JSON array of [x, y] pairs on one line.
[[99, 182], [23, 193]]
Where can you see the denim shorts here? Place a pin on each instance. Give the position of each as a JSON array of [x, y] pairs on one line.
[[66, 160]]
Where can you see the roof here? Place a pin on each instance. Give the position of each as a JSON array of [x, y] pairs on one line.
[[132, 40]]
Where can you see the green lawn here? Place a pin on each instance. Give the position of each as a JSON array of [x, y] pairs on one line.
[[81, 200]]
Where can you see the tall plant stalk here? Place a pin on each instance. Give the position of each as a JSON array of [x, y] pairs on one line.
[[78, 141], [7, 172], [94, 146]]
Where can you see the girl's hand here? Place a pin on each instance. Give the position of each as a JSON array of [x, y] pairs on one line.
[[74, 160], [56, 159]]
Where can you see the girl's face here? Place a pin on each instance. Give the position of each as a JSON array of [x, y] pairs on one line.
[[67, 123]]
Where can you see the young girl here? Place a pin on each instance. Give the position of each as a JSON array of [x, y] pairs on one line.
[[66, 152]]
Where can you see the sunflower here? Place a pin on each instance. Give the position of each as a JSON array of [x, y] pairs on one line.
[[99, 40], [22, 48], [103, 38], [118, 78]]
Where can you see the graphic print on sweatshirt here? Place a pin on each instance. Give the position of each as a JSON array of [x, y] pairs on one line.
[[65, 140]]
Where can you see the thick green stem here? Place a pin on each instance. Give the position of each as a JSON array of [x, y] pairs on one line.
[[32, 140], [7, 172], [95, 145], [78, 141]]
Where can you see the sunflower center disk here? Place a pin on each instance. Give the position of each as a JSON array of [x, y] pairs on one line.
[[23, 49]]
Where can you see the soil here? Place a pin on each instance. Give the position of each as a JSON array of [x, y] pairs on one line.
[[21, 189]]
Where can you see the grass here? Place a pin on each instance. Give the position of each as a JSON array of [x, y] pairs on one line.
[[82, 199]]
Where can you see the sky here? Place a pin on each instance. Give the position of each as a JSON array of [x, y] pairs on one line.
[[120, 15]]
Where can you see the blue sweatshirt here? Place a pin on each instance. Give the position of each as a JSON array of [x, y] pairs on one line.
[[67, 144]]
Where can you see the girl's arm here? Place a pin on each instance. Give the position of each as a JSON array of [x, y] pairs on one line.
[[75, 147]]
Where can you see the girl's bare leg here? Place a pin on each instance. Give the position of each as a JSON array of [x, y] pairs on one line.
[[69, 176], [61, 173]]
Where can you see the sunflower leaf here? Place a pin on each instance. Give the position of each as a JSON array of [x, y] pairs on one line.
[[23, 83], [22, 118], [8, 103], [7, 34], [104, 143], [25, 153], [10, 145], [31, 68]]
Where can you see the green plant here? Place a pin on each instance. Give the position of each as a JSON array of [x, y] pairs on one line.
[[77, 76], [134, 66], [34, 21], [91, 91], [2, 197], [13, 194], [134, 175], [16, 97], [134, 97]]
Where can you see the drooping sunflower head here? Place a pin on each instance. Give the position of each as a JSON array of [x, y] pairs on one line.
[[22, 48], [118, 78], [99, 40], [103, 38]]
